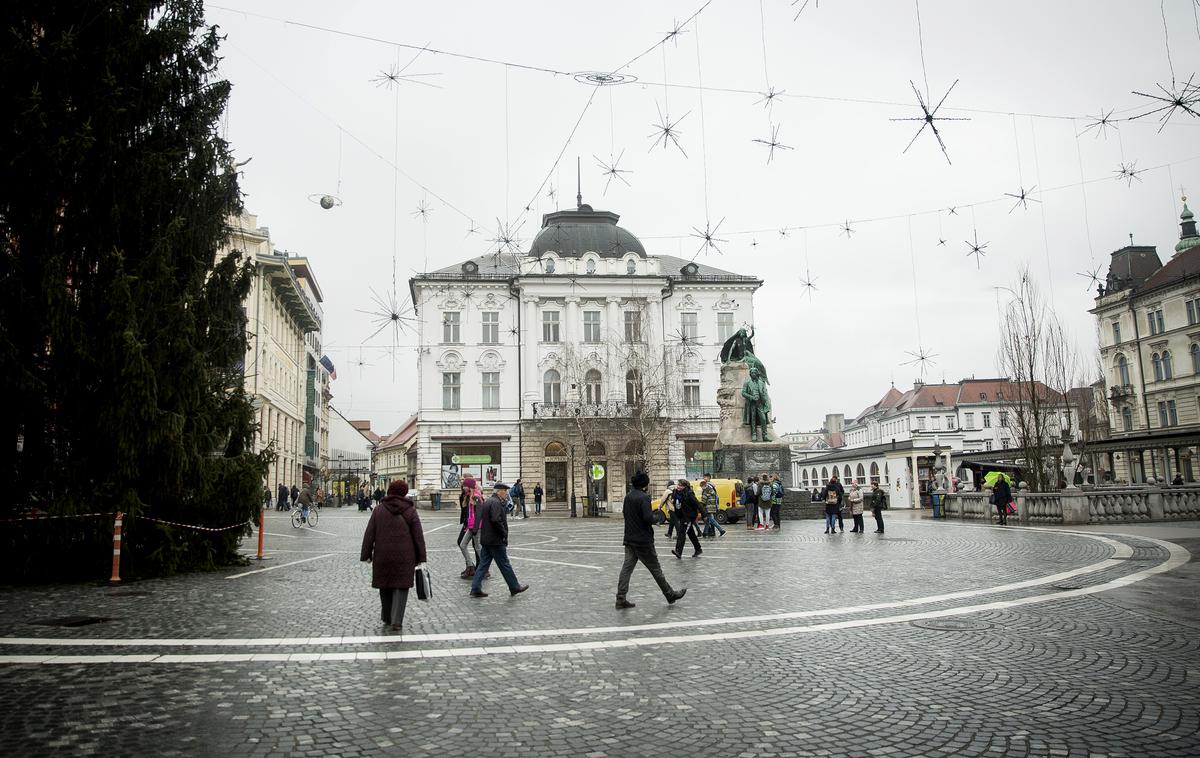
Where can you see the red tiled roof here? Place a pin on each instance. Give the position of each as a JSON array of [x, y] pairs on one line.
[[401, 435], [889, 400], [930, 396], [1181, 266]]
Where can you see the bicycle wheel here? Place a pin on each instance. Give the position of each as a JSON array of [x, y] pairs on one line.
[[296, 518], [312, 516]]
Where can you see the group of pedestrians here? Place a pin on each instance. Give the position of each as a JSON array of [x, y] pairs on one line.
[[762, 499], [837, 502]]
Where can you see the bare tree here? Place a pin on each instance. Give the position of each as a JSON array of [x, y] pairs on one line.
[[1038, 357]]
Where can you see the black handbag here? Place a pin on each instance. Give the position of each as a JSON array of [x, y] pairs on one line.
[[423, 582]]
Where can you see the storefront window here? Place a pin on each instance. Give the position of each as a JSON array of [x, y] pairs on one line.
[[479, 462], [698, 457]]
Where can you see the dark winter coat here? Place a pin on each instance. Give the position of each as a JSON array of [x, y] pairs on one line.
[[537, 494], [394, 543], [639, 518], [283, 494], [494, 515], [877, 499], [295, 493], [689, 506], [835, 487], [517, 492], [1001, 493]]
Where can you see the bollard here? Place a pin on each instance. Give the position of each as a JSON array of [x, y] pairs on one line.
[[116, 566], [262, 520]]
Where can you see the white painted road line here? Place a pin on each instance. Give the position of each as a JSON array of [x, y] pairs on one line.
[[561, 563], [1178, 556], [279, 566], [443, 526]]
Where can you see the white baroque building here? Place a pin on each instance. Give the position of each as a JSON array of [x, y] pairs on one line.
[[585, 349]]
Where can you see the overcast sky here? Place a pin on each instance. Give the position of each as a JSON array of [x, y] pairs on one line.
[[485, 137]]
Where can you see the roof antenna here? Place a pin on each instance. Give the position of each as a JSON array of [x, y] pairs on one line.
[[1131, 239], [578, 185]]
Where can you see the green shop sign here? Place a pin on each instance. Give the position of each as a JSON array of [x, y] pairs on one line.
[[461, 459]]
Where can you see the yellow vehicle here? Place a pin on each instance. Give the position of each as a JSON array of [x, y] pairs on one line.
[[729, 510]]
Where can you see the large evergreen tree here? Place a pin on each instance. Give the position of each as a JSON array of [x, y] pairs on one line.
[[121, 331]]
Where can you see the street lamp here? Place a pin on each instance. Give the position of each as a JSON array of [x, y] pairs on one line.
[[341, 480]]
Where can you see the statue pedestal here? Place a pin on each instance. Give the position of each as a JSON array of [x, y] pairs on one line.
[[735, 456]]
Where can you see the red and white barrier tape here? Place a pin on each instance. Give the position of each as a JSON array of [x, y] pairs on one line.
[[187, 526], [46, 517]]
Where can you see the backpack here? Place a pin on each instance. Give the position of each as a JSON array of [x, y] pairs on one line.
[[777, 488], [764, 495]]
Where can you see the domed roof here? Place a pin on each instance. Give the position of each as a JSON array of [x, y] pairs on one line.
[[572, 233]]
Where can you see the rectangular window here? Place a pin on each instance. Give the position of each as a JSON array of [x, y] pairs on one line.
[[451, 321], [491, 327], [970, 420], [491, 390], [591, 326], [950, 422], [1166, 413], [1117, 330], [549, 326], [937, 422], [987, 444], [987, 421], [689, 327], [724, 327], [1155, 320], [921, 423], [1193, 311], [1003, 419], [633, 326], [691, 392], [1004, 443], [451, 391]]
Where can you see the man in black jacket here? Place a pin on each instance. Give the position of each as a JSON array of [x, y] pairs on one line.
[[493, 542], [1002, 496], [689, 508], [639, 543]]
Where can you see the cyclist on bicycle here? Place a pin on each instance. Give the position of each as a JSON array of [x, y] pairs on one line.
[[305, 501]]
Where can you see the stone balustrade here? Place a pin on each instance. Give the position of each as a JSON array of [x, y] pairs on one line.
[[1103, 505]]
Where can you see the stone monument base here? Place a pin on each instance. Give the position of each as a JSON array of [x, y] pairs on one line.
[[753, 459]]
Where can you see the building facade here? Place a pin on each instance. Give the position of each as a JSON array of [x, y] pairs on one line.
[[395, 457], [574, 364], [283, 312], [351, 444], [1148, 320]]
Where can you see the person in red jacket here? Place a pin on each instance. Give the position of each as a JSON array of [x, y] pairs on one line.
[[394, 545]]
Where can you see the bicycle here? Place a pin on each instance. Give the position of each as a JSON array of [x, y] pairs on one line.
[[299, 517]]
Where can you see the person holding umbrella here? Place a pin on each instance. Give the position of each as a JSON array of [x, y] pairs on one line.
[[1001, 495]]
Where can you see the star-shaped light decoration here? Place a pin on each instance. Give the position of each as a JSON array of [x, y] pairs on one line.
[[783, 232], [666, 131], [471, 230], [846, 229], [684, 339], [506, 239], [941, 241], [422, 212], [952, 210], [611, 170], [1022, 197], [803, 4], [1101, 123], [753, 242], [768, 97], [809, 282], [1128, 172], [361, 363], [922, 358], [391, 311], [928, 117], [673, 35], [708, 236], [1185, 97], [773, 143], [552, 193], [1093, 277], [394, 76], [976, 247]]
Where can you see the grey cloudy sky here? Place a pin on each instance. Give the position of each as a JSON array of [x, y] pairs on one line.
[[484, 138]]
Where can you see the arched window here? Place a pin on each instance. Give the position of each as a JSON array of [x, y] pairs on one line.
[[590, 266], [1156, 361], [549, 265], [804, 479], [596, 449], [633, 386], [556, 450], [885, 472], [824, 474], [591, 386], [552, 388], [846, 474], [860, 475], [815, 480], [631, 266], [1122, 370], [1195, 351], [1168, 369], [635, 449], [1127, 419], [874, 473]]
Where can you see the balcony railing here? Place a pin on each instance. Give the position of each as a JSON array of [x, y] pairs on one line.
[[1119, 392], [623, 409]]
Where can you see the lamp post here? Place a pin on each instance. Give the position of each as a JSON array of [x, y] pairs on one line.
[[341, 480], [571, 478]]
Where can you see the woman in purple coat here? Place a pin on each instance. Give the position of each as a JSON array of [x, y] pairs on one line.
[[394, 545]]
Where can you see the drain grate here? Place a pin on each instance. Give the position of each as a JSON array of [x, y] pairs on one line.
[[952, 625], [72, 621]]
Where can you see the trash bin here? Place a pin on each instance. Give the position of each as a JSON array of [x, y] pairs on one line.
[[435, 499], [937, 505]]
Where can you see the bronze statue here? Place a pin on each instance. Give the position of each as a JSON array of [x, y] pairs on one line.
[[740, 347], [757, 412]]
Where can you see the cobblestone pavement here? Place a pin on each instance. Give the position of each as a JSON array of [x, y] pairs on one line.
[[936, 639]]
